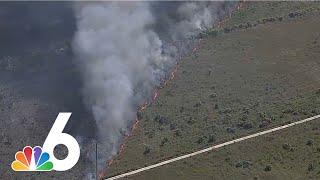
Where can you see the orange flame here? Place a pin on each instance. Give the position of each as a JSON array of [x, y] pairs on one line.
[[143, 107], [135, 125], [110, 162], [155, 95]]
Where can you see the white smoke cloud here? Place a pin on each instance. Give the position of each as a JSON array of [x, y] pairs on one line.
[[123, 55], [121, 61]]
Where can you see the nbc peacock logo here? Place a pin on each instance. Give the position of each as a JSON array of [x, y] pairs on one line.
[[42, 158], [32, 159]]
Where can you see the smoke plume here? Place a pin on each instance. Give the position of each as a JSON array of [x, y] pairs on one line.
[[125, 49]]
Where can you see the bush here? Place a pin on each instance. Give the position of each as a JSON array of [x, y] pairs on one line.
[[310, 142], [190, 121], [211, 139], [310, 167], [287, 147], [173, 126], [200, 140], [146, 150], [245, 125], [198, 104], [268, 168], [246, 110], [177, 133], [243, 164], [164, 141], [213, 95], [161, 119], [265, 122], [231, 130], [181, 109]]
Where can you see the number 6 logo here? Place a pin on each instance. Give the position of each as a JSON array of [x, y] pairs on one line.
[[56, 137]]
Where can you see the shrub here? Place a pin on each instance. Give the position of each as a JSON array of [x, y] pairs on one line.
[[213, 95], [164, 141], [287, 147], [231, 130], [211, 139], [264, 124], [268, 168], [200, 140], [190, 120], [181, 109], [245, 125], [243, 164], [177, 133], [161, 119], [198, 104], [310, 142], [310, 167], [246, 110], [173, 126], [146, 150], [291, 15]]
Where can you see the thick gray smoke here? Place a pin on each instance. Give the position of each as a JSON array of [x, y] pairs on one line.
[[123, 51]]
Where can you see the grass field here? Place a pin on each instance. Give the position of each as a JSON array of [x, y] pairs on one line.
[[238, 83]]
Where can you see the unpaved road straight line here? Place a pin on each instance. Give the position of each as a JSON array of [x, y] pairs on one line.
[[213, 147]]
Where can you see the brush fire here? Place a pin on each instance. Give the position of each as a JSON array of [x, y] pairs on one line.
[[125, 51]]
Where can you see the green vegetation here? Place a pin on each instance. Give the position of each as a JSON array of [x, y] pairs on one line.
[[254, 11], [238, 83]]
